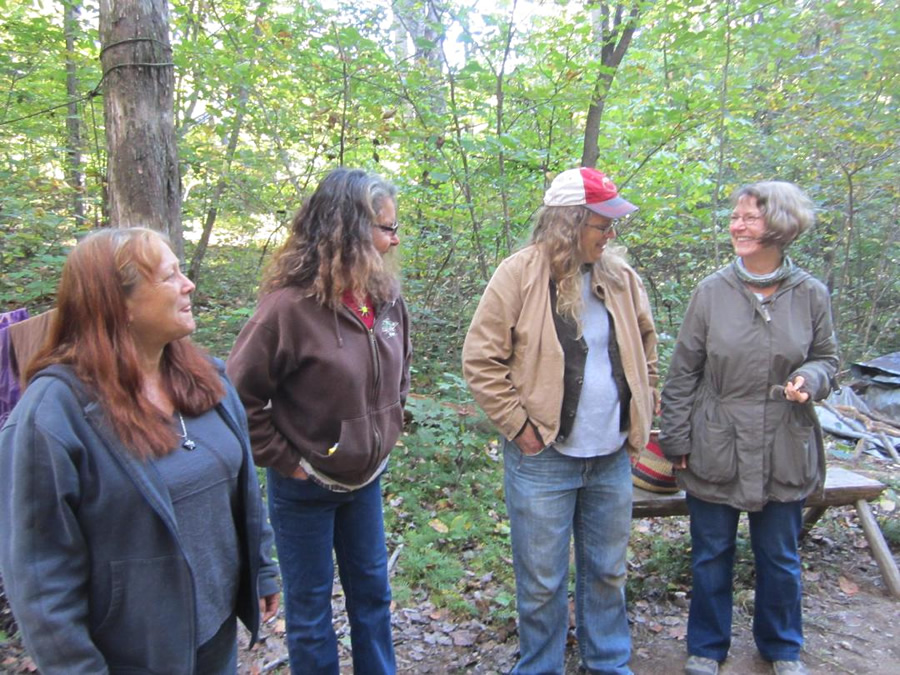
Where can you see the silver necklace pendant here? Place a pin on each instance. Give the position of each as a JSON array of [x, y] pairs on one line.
[[187, 443]]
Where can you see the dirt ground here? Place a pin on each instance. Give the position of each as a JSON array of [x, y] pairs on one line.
[[851, 627], [851, 624], [845, 634]]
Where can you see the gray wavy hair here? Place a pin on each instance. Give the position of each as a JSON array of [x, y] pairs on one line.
[[785, 208], [330, 248]]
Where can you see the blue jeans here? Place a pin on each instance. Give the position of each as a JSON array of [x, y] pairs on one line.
[[309, 522], [548, 497], [777, 612]]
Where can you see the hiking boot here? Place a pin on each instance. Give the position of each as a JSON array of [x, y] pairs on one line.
[[788, 668], [700, 665]]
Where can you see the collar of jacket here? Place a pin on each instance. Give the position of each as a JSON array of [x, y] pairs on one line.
[[728, 274], [608, 272], [759, 307]]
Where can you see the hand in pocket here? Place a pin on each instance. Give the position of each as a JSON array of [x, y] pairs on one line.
[[529, 440]]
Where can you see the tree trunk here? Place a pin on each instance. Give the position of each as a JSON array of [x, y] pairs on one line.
[[74, 173], [501, 156], [882, 277], [842, 289], [420, 21], [144, 181], [614, 33]]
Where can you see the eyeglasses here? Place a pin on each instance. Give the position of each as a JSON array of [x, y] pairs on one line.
[[389, 230], [605, 229], [748, 219]]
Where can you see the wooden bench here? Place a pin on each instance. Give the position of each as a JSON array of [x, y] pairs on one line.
[[842, 488]]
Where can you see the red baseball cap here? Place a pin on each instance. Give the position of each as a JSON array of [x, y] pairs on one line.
[[590, 188]]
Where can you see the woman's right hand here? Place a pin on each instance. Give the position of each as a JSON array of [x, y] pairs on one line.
[[529, 440], [793, 391], [681, 464]]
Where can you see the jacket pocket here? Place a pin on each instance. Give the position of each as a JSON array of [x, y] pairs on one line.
[[389, 422], [363, 444], [794, 461], [714, 452], [149, 623]]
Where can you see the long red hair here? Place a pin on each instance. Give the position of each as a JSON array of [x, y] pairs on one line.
[[90, 333]]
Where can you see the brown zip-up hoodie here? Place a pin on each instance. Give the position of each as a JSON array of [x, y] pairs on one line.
[[336, 389]]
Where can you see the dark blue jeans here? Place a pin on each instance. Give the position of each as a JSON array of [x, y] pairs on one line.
[[309, 522], [777, 614]]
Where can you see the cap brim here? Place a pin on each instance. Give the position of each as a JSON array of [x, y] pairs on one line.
[[613, 208]]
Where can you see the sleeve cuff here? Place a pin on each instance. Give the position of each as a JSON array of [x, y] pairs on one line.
[[268, 584]]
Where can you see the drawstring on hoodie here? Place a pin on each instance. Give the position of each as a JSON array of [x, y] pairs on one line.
[[337, 328]]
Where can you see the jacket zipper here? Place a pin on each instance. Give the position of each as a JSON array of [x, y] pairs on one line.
[[376, 383], [376, 364]]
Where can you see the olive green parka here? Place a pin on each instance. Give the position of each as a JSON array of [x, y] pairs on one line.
[[746, 444]]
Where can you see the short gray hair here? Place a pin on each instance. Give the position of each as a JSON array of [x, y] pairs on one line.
[[786, 209]]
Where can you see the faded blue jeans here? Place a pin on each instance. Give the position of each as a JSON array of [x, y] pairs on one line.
[[777, 608], [309, 521], [550, 497]]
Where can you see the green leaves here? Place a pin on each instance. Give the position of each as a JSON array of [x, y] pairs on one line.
[[471, 112]]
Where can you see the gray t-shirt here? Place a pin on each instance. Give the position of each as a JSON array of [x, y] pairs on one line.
[[203, 486], [596, 428]]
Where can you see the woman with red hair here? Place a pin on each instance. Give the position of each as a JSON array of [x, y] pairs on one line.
[[132, 533]]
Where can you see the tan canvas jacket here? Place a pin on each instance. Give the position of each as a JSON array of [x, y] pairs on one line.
[[512, 359]]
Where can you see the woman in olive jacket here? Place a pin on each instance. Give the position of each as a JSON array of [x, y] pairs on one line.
[[755, 350]]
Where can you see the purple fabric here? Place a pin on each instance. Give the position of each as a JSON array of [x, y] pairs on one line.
[[9, 378]]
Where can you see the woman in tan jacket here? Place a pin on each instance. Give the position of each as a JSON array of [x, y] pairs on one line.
[[561, 355]]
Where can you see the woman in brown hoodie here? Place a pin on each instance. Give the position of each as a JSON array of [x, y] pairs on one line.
[[322, 368]]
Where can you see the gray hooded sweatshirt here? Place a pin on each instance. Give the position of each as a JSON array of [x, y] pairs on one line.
[[92, 559]]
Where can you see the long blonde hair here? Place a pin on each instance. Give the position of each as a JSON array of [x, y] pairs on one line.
[[557, 232], [330, 249]]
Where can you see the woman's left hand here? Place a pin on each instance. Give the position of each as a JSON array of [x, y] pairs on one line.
[[268, 607], [792, 390]]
